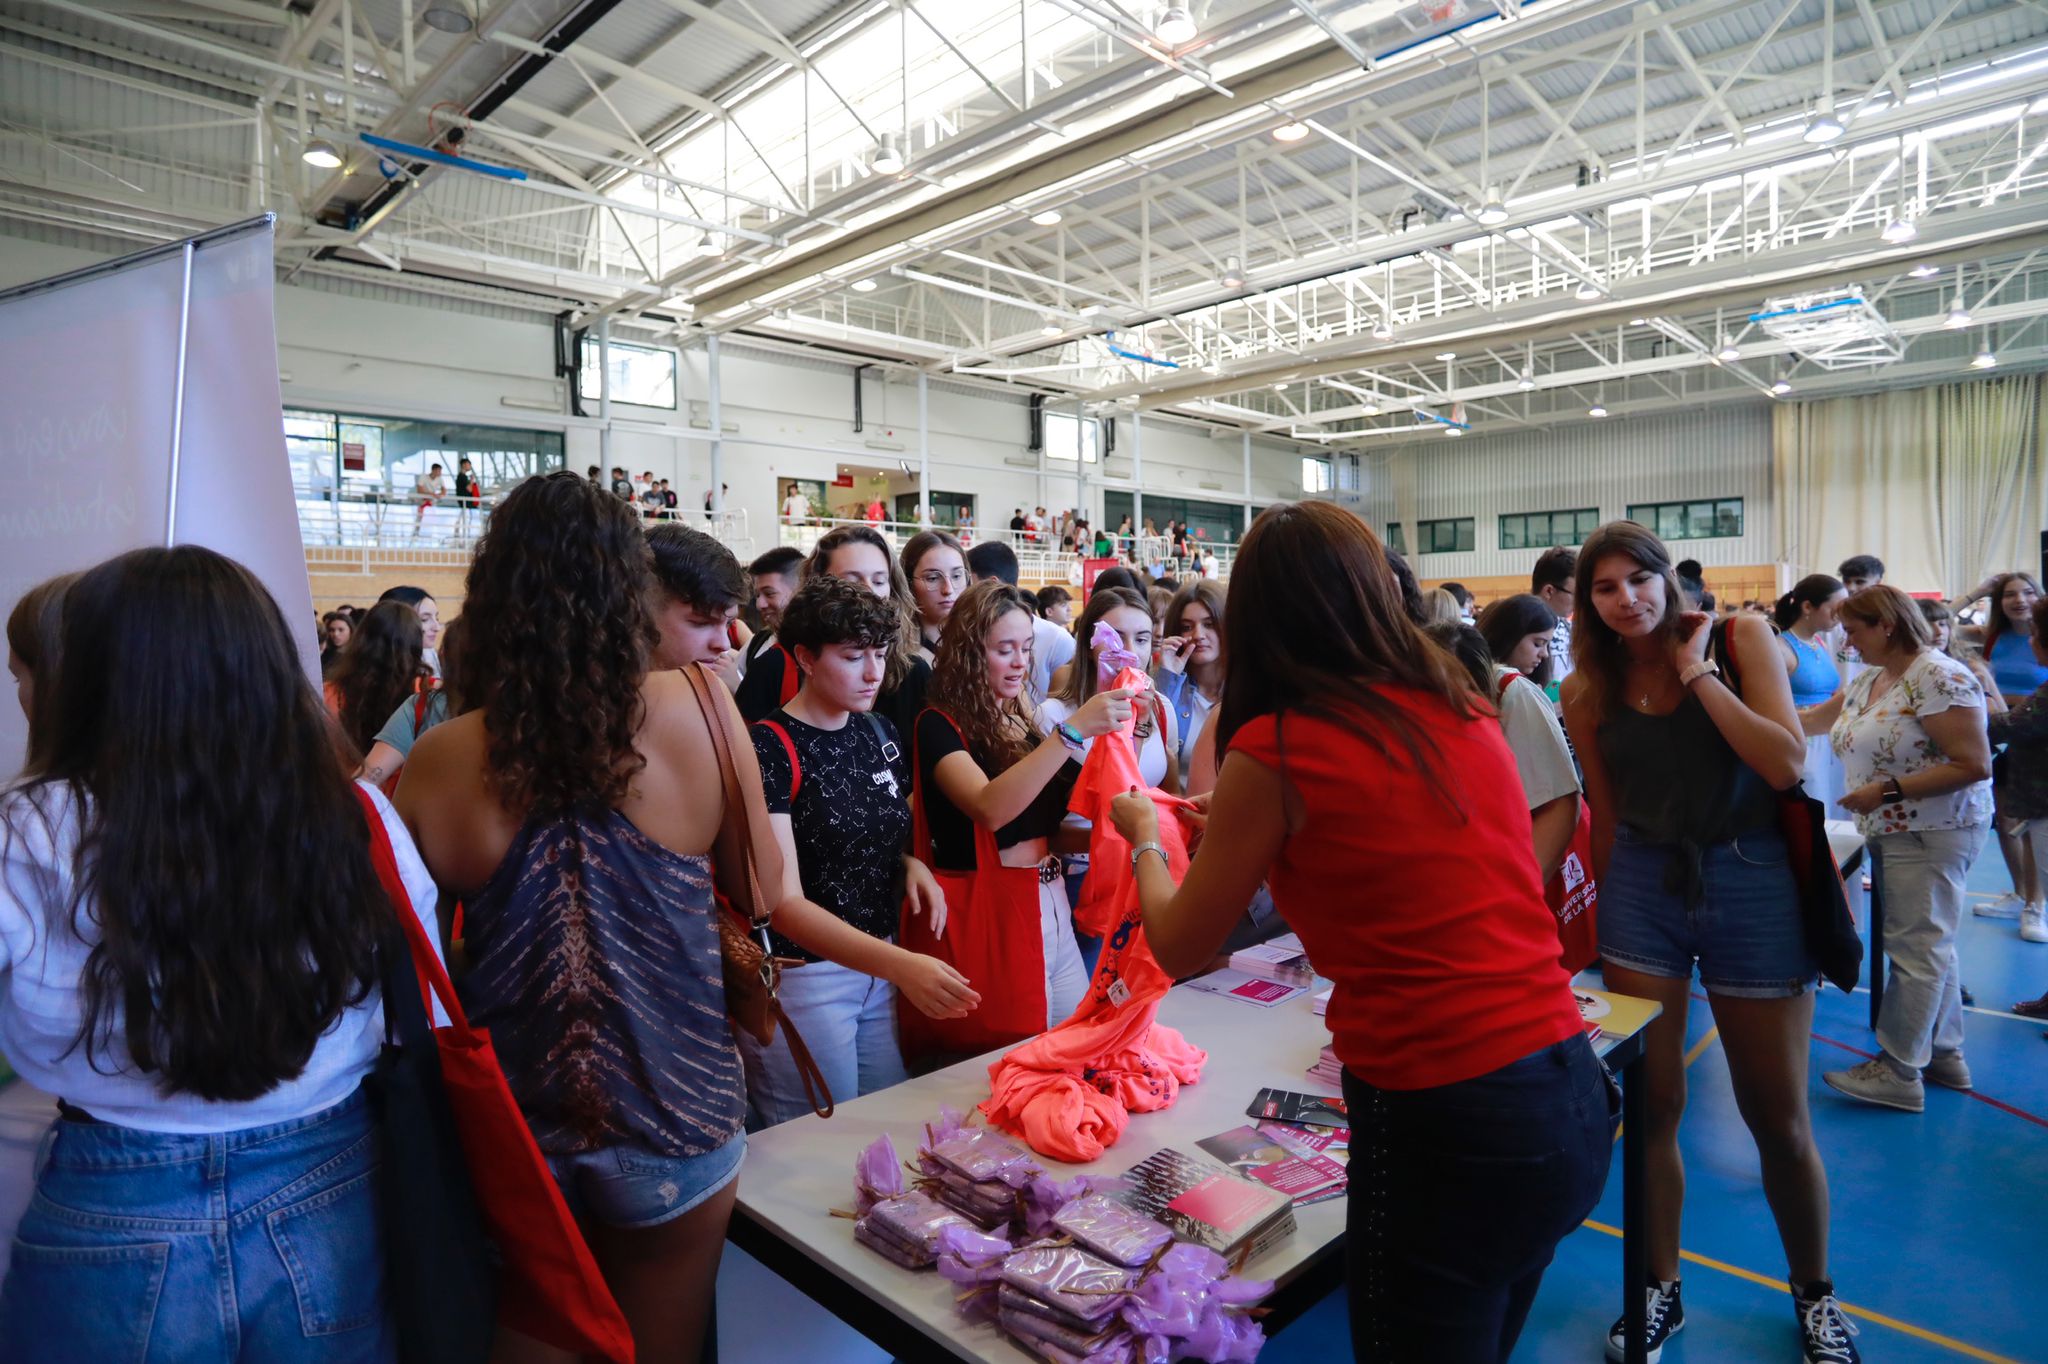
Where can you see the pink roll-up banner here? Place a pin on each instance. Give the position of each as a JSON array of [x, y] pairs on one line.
[[139, 405]]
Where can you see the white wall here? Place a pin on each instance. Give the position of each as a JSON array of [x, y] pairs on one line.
[[1708, 452], [459, 362]]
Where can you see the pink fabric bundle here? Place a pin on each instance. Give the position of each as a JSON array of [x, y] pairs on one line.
[[1070, 1092]]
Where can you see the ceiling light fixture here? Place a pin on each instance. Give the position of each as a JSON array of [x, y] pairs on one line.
[[707, 247], [1984, 358], [1588, 291], [1447, 356], [1233, 273], [1290, 132], [1597, 410], [1176, 25], [863, 286], [1454, 431], [1047, 217], [1924, 270], [322, 153], [1958, 315], [1824, 127], [1383, 330], [1782, 387], [1729, 352], [1527, 381], [1050, 327], [1279, 388], [1900, 230], [1492, 210], [449, 16], [888, 157]]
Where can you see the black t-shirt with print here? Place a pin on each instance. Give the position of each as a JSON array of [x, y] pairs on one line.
[[952, 829], [850, 819]]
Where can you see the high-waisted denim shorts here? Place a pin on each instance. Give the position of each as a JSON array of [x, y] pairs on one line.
[[621, 1187], [1735, 915]]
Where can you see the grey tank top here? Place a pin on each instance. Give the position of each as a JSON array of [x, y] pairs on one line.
[[1677, 781]]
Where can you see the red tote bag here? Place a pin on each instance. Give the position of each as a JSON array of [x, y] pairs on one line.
[[550, 1288], [991, 937], [1571, 892]]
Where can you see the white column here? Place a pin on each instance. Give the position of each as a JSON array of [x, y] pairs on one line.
[[1247, 480], [604, 399], [717, 427], [924, 454], [1137, 472]]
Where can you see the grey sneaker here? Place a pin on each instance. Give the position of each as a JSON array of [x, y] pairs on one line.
[[1950, 1071], [1875, 1082], [2006, 906]]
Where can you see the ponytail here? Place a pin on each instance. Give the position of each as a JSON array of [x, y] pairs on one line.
[[1786, 613], [1815, 589]]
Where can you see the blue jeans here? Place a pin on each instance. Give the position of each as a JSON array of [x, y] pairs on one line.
[[1459, 1195], [1736, 914], [622, 1187], [158, 1248], [848, 1021]]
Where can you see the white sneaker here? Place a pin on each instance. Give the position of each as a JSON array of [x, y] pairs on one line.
[[1875, 1082], [2006, 906], [2034, 923]]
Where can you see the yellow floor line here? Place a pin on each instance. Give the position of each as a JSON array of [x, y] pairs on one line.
[[1864, 1313], [1699, 1048]]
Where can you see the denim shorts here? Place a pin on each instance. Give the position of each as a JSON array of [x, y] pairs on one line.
[[1744, 931], [625, 1188]]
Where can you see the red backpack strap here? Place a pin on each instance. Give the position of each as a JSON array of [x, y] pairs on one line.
[[1507, 679], [419, 713], [426, 959], [792, 677], [796, 771]]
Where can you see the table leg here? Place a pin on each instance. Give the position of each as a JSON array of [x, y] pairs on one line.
[[1875, 900], [1635, 1252]]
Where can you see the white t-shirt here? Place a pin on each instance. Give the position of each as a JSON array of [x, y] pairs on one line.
[[1537, 739], [796, 507], [1052, 648], [430, 485], [1884, 738], [42, 962]]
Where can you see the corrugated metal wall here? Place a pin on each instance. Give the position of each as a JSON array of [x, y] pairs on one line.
[[1704, 453]]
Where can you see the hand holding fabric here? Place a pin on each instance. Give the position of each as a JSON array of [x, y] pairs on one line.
[[1135, 817]]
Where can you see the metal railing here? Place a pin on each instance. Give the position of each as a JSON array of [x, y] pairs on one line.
[[1039, 557], [386, 525]]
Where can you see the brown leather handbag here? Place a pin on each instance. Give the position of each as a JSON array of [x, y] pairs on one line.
[[753, 973]]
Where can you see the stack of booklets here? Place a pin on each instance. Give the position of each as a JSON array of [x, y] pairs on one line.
[[1268, 1155], [1328, 1069], [1283, 959], [977, 1173], [1231, 1215], [906, 1229], [1320, 1002]]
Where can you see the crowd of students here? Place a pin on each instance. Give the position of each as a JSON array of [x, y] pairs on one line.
[[190, 922]]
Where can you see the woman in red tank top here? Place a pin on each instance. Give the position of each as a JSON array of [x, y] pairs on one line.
[[1370, 787]]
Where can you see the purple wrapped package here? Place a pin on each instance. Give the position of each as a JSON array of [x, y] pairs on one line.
[[1025, 1326], [1086, 1287], [884, 1246], [1044, 1196], [877, 1174], [913, 1220], [979, 1154], [1111, 1230], [969, 1257]]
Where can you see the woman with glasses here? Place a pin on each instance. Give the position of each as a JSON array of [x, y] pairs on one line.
[[937, 569]]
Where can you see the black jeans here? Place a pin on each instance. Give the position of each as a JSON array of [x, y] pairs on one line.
[[1459, 1196]]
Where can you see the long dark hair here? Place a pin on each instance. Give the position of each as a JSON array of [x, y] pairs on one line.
[[1509, 621], [222, 870], [1995, 624], [1316, 626], [1598, 655], [998, 733], [382, 666], [35, 634], [560, 631], [1812, 590]]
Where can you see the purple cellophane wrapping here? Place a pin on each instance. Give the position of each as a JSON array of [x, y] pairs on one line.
[[1111, 657], [882, 1245], [1084, 1286], [1111, 1230], [877, 1174], [1045, 1196], [980, 1154], [914, 1219]]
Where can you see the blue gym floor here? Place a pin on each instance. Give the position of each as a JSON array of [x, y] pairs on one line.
[[1935, 1215]]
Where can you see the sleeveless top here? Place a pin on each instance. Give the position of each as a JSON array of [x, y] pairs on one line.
[[1677, 783], [2013, 667], [1815, 679], [598, 972]]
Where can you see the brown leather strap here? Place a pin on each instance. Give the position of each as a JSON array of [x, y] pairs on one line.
[[718, 722], [817, 1093]]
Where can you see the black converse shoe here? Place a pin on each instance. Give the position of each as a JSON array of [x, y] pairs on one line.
[[1663, 1314], [1825, 1328]]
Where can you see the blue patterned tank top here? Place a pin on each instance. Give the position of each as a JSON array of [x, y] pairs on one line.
[[596, 967], [1816, 678]]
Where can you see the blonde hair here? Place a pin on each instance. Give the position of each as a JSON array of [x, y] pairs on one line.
[[1893, 612]]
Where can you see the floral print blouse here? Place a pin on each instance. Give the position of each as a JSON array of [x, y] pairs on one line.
[[1881, 738]]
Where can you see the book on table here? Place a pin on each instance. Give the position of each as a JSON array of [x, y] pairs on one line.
[[1281, 959], [1207, 1204], [1263, 1156]]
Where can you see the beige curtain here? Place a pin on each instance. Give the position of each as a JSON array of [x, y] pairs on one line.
[[1945, 484]]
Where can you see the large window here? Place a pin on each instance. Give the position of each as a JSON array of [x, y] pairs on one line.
[[1065, 434], [1542, 530], [1315, 475], [1397, 537], [363, 456], [1218, 522], [644, 376], [1444, 537], [1718, 518]]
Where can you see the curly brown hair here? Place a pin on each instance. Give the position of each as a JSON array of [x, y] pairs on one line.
[[998, 733], [560, 631], [908, 641], [382, 665]]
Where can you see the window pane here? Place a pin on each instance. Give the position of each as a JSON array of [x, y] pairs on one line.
[[1465, 528], [1513, 532], [1397, 537], [1671, 521], [642, 376], [1315, 475], [1589, 521], [1728, 518], [1643, 514], [1700, 520]]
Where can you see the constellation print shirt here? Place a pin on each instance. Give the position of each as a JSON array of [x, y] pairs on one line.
[[850, 818]]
